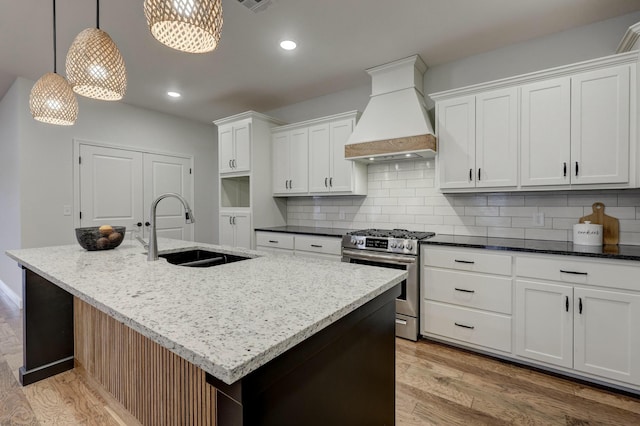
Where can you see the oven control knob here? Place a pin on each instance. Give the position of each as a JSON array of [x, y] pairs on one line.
[[393, 245], [354, 241], [360, 242], [409, 247], [400, 246]]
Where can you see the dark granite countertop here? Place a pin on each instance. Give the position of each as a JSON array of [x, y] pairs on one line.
[[567, 248], [308, 230]]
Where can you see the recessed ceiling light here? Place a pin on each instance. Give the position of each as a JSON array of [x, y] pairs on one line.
[[288, 44], [174, 94], [407, 155], [371, 158]]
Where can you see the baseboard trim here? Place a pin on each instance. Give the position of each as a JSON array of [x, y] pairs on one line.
[[16, 299]]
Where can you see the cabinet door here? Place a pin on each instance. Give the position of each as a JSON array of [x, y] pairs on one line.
[[162, 174], [225, 149], [497, 138], [280, 152], [227, 234], [242, 225], [544, 322], [299, 161], [607, 341], [600, 126], [242, 142], [456, 142], [545, 133], [319, 158], [341, 177]]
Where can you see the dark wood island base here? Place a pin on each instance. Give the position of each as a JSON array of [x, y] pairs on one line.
[[344, 374]]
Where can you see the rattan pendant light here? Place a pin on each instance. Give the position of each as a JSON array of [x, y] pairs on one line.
[[191, 26], [95, 67], [52, 100]]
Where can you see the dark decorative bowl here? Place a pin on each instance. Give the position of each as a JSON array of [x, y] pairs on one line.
[[100, 238]]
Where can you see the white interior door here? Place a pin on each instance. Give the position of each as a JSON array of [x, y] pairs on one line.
[[110, 187], [162, 174]]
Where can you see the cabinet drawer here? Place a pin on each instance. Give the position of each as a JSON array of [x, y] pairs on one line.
[[326, 245], [571, 270], [467, 289], [467, 325], [274, 240], [467, 260]]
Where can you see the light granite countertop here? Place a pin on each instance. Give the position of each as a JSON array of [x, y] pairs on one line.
[[229, 319]]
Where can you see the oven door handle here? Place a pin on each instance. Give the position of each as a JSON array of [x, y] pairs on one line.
[[397, 259]]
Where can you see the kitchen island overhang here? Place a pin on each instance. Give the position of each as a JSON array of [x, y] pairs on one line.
[[237, 321]]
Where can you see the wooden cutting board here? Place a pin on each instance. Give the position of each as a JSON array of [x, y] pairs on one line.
[[610, 225]]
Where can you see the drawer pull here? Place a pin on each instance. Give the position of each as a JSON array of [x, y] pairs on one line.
[[470, 327], [573, 272], [316, 245], [463, 290], [464, 261], [273, 241]]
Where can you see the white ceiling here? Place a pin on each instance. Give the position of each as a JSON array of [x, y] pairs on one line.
[[337, 40]]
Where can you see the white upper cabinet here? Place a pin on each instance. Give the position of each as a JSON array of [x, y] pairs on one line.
[[568, 127], [478, 138], [545, 132], [600, 126], [323, 164], [290, 157], [234, 151], [497, 138], [457, 142]]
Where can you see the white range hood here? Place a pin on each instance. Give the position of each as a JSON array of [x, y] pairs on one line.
[[395, 124]]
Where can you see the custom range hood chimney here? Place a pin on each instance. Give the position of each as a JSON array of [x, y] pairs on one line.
[[395, 124]]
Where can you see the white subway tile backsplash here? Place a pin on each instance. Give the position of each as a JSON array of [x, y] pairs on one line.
[[505, 200], [499, 221], [505, 232], [403, 195], [482, 211], [546, 234]]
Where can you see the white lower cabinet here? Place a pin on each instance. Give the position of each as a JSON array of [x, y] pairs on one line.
[[571, 314], [235, 229], [585, 319], [312, 246], [462, 302]]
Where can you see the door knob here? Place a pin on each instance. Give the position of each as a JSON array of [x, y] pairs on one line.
[[139, 224]]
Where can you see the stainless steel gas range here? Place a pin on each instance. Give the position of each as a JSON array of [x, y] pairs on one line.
[[392, 248]]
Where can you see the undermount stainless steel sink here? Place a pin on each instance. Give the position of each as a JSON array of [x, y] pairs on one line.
[[198, 258]]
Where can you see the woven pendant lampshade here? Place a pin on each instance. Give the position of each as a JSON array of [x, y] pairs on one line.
[[51, 99], [192, 26], [95, 67]]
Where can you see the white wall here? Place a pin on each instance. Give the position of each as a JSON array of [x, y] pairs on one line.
[[404, 195], [46, 168], [10, 274]]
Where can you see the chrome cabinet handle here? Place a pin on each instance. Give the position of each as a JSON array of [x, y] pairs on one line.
[[580, 305], [316, 245], [331, 182], [577, 168], [230, 166], [470, 327], [286, 184], [566, 303], [464, 261], [564, 169], [325, 182], [470, 175], [463, 290], [273, 241], [479, 173], [230, 222]]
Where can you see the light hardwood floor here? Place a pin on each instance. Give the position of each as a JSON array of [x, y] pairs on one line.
[[435, 384]]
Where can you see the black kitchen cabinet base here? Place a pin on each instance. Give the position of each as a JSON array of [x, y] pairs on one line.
[[48, 329]]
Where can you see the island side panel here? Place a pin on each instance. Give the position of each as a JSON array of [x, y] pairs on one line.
[[155, 385], [48, 329]]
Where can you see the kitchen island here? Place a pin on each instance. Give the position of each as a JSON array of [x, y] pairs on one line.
[[269, 340]]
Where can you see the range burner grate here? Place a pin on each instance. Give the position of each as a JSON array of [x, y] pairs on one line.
[[392, 233]]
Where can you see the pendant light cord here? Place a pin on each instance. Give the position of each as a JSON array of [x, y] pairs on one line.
[[55, 57], [98, 14]]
